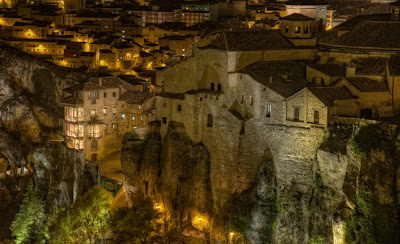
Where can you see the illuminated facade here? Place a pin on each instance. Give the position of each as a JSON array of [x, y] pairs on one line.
[[93, 114]]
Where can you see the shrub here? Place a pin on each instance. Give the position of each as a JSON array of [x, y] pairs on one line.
[[86, 220], [316, 240], [28, 222], [359, 227], [110, 185], [136, 225], [367, 138]]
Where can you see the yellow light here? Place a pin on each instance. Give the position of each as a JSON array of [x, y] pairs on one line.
[[199, 219], [231, 233]]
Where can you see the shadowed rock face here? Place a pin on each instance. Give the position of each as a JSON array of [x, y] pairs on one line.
[[174, 173], [301, 192]]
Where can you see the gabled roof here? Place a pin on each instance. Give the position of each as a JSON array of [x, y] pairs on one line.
[[367, 85], [334, 70], [273, 75], [250, 41], [370, 32], [297, 17], [327, 95]]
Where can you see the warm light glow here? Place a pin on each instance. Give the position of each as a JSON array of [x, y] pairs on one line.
[[231, 233], [200, 222]]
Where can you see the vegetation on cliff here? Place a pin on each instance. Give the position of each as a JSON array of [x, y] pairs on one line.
[[28, 223], [359, 227]]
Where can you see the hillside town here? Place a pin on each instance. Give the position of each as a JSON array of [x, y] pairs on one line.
[[216, 82]]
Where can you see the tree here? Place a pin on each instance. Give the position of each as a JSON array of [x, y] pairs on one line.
[[29, 220], [136, 225], [87, 219]]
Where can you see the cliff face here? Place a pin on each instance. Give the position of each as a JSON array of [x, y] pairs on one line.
[[29, 97], [61, 174], [287, 185]]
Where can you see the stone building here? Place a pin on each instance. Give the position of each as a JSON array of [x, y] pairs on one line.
[[315, 9], [233, 75], [95, 113]]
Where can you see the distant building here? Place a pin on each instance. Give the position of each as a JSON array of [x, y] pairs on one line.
[[315, 9]]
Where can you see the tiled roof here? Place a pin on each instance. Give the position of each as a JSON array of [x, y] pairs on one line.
[[72, 100], [334, 70], [179, 96], [90, 86], [371, 66], [306, 2], [250, 41], [364, 32], [367, 85], [328, 95], [297, 17], [135, 97], [394, 65], [272, 75]]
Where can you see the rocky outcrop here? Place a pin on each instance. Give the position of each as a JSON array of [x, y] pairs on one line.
[[287, 185], [176, 174], [61, 174]]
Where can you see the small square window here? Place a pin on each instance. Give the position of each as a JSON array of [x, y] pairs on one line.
[[179, 108], [133, 118], [105, 94], [114, 94], [104, 111]]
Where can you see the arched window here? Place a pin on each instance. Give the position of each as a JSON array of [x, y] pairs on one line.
[[210, 120]]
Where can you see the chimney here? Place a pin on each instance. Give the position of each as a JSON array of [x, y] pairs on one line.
[[351, 70]]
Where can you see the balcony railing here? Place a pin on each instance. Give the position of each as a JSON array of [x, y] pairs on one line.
[[74, 134], [95, 134], [73, 118]]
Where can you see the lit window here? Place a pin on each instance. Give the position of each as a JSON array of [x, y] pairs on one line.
[[114, 110], [296, 29], [123, 116], [140, 107], [105, 127], [104, 111], [134, 128], [115, 126], [133, 118], [93, 112], [141, 118]]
